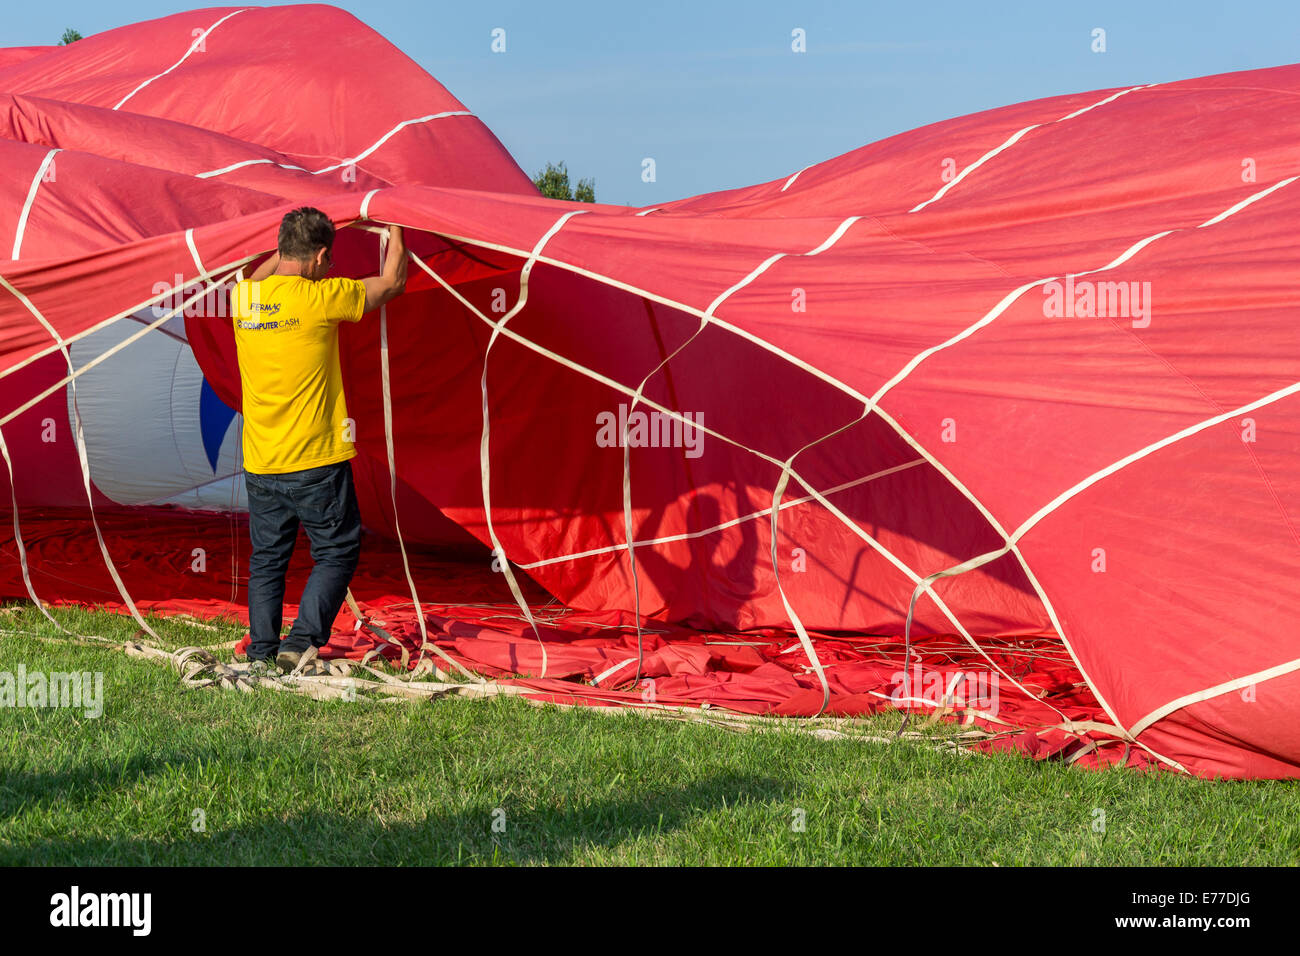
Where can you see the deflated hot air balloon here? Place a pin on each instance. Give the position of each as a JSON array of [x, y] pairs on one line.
[[995, 417]]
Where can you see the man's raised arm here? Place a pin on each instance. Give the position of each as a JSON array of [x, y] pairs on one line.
[[266, 268], [392, 281]]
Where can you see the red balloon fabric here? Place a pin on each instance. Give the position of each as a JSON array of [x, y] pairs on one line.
[[1026, 377]]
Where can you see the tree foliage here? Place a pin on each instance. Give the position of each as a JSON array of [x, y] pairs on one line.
[[553, 183], [70, 36]]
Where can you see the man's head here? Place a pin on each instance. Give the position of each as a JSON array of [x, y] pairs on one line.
[[307, 237]]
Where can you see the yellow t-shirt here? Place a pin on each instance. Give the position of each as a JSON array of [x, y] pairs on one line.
[[287, 339]]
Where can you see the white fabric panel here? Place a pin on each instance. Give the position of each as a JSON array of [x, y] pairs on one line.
[[140, 408]]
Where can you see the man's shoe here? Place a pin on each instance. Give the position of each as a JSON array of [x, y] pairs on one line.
[[286, 661], [261, 667]]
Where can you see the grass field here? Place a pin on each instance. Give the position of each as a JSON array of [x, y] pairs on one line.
[[282, 779]]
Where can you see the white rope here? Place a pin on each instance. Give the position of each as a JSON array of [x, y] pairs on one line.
[[347, 162], [627, 390], [194, 254], [386, 382], [79, 434], [31, 198], [80, 437], [72, 377], [790, 182], [198, 44], [1233, 210], [1011, 141], [629, 533], [365, 214], [1011, 540], [485, 472], [722, 526], [799, 363], [996, 525], [99, 326], [1227, 687], [18, 540]]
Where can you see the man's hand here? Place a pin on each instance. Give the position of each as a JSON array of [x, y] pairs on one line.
[[392, 282], [266, 268]]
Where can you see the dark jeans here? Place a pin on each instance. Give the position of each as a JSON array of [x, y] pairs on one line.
[[324, 501]]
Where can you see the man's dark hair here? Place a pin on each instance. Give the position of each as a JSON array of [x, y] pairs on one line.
[[303, 231]]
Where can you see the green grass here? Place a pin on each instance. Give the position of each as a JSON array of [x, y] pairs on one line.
[[283, 779]]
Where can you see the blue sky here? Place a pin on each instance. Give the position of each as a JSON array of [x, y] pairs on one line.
[[714, 93]]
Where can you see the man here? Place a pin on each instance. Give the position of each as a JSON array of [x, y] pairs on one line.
[[298, 439]]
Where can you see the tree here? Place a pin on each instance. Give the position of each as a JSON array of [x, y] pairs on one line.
[[553, 183], [70, 36]]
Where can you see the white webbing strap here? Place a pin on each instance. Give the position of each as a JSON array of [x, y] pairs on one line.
[[841, 386], [18, 540], [98, 359], [196, 44], [923, 587], [31, 199], [804, 640], [35, 355], [386, 381], [705, 319], [708, 530], [483, 464], [90, 502], [1008, 143], [677, 416], [70, 380], [484, 461], [79, 435], [629, 535], [629, 532]]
